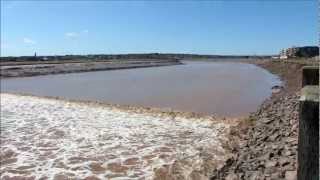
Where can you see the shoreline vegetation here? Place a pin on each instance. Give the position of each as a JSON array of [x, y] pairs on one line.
[[260, 146]]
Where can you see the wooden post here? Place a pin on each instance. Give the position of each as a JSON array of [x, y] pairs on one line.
[[308, 142], [310, 75]]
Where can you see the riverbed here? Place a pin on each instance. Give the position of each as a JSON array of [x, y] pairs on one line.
[[223, 89]]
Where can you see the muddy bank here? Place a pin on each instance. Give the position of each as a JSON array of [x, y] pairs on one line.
[[265, 144], [60, 68]]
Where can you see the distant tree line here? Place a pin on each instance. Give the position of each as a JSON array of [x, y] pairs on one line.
[[159, 56], [307, 51]]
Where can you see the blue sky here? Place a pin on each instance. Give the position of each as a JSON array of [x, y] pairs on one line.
[[111, 27]]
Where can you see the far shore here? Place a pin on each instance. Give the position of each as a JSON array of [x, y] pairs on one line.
[[35, 68]]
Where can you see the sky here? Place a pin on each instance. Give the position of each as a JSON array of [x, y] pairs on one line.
[[230, 27]]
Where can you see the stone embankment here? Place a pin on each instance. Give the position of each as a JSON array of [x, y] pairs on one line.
[[268, 149], [265, 144], [59, 68]]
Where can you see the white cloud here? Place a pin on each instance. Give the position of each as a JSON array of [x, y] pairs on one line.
[[29, 41], [72, 35]]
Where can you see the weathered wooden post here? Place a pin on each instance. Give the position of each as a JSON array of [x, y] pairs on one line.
[[308, 143], [310, 75]]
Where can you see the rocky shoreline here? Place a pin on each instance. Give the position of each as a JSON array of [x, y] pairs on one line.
[[268, 148], [264, 146]]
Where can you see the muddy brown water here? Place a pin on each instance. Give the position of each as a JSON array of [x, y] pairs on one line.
[[225, 89]]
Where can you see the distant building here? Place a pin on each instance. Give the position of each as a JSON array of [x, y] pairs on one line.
[[289, 53], [283, 54], [294, 52]]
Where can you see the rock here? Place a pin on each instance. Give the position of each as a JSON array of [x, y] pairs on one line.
[[291, 140], [294, 127], [232, 176], [267, 150], [276, 89], [275, 176], [284, 161], [242, 144], [270, 171], [291, 175], [271, 164], [270, 155], [256, 175], [288, 152], [273, 137], [266, 120]]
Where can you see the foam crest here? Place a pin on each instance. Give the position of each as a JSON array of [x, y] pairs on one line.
[[46, 138]]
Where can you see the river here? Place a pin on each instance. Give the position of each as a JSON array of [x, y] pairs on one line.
[[224, 89]]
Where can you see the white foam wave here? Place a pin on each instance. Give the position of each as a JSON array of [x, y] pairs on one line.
[[51, 138]]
